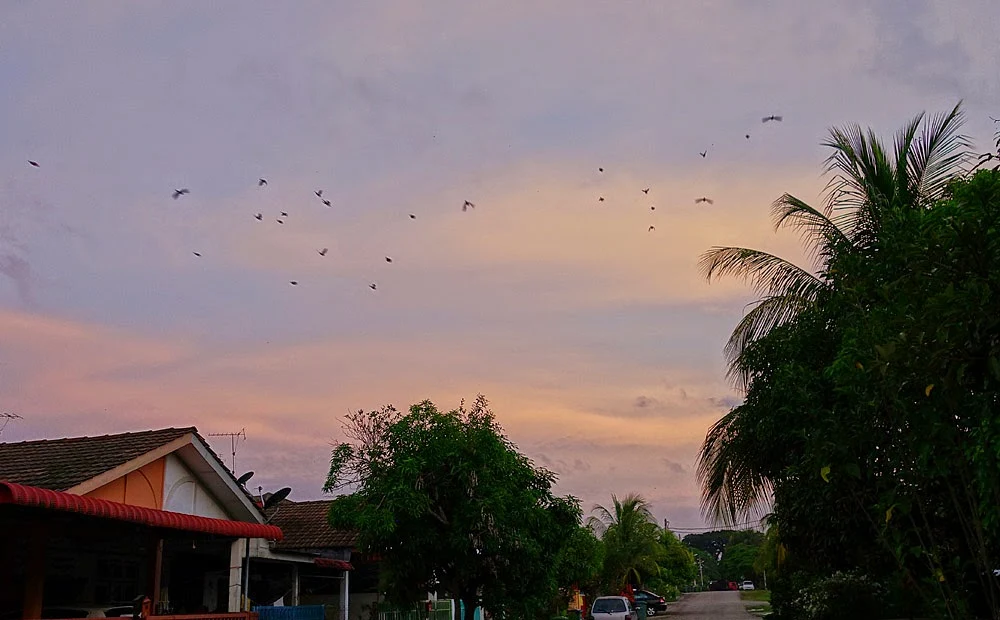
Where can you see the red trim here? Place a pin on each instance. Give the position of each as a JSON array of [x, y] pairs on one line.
[[330, 563], [21, 495]]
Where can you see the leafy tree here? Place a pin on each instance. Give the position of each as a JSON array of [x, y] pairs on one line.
[[631, 540], [677, 563], [448, 503], [707, 565], [737, 562], [871, 382], [579, 563]]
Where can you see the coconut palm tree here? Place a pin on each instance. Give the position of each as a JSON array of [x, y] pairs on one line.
[[631, 539], [868, 182]]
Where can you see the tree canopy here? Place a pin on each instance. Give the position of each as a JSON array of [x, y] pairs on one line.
[[449, 504], [871, 381]]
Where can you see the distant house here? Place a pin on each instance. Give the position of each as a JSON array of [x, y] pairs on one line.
[[93, 521], [332, 574]]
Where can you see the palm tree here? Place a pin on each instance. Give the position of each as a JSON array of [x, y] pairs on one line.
[[631, 539], [868, 183]]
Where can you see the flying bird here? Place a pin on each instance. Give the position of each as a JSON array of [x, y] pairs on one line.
[[703, 153], [198, 254], [293, 282], [284, 214], [652, 228], [652, 208], [280, 221], [261, 182], [372, 286], [259, 217], [388, 259], [748, 136], [319, 193], [180, 192], [326, 202], [465, 207], [703, 199], [413, 217], [645, 191], [773, 117], [323, 251], [600, 169], [601, 199], [34, 163]]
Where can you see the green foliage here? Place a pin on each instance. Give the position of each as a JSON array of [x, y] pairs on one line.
[[631, 540], [737, 562], [449, 504], [870, 416], [841, 595], [579, 563]]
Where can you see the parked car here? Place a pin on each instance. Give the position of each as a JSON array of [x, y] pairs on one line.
[[613, 608], [655, 604], [733, 586], [746, 585]]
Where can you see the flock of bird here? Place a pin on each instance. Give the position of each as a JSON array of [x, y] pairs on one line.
[[283, 215]]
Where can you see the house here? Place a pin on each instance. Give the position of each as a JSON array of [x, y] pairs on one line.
[[328, 569], [89, 521]]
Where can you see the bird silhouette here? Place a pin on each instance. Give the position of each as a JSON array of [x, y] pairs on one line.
[[259, 217], [323, 251], [467, 205], [198, 254], [652, 208], [372, 286], [280, 221], [601, 199], [652, 228], [34, 163], [293, 282], [326, 202], [645, 191], [180, 192], [773, 117], [600, 169], [413, 217], [261, 182], [284, 214], [388, 259], [703, 199], [748, 136], [703, 153], [319, 193]]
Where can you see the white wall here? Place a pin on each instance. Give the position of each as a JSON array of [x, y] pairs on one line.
[[183, 493]]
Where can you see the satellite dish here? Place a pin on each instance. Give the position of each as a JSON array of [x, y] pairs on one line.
[[277, 497], [245, 478]]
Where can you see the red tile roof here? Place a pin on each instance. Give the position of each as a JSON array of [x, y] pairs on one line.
[[305, 526], [60, 464]]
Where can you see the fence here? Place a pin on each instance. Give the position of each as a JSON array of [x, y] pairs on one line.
[[296, 612], [441, 610]]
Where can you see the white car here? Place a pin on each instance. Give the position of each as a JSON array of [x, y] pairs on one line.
[[613, 608], [746, 585]]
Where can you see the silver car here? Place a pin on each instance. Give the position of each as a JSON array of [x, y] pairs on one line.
[[613, 608]]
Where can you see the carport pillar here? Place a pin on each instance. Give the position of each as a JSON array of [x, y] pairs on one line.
[[295, 584], [345, 603], [155, 570], [236, 575], [34, 577]]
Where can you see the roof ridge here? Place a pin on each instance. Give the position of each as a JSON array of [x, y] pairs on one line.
[[188, 429]]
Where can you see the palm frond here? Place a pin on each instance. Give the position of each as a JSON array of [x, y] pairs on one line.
[[820, 234], [767, 314], [904, 145], [767, 274], [938, 155], [733, 485]]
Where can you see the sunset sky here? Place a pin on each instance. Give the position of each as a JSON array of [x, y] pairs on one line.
[[596, 340]]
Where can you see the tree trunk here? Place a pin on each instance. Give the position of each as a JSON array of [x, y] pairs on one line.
[[470, 608]]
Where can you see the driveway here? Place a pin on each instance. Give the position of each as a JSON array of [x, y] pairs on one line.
[[710, 606]]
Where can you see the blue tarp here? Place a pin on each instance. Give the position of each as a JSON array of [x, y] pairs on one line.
[[298, 612]]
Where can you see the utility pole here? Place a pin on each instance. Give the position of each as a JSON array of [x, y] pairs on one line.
[[701, 570]]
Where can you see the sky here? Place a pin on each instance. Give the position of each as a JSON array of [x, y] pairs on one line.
[[596, 340]]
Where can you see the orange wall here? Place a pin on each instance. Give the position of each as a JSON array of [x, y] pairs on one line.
[[142, 487]]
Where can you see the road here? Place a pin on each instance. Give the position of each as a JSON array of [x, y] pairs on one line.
[[709, 606]]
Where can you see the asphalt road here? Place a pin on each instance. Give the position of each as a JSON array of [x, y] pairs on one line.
[[709, 606]]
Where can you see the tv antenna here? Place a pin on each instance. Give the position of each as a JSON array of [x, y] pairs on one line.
[[232, 441], [7, 417]]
